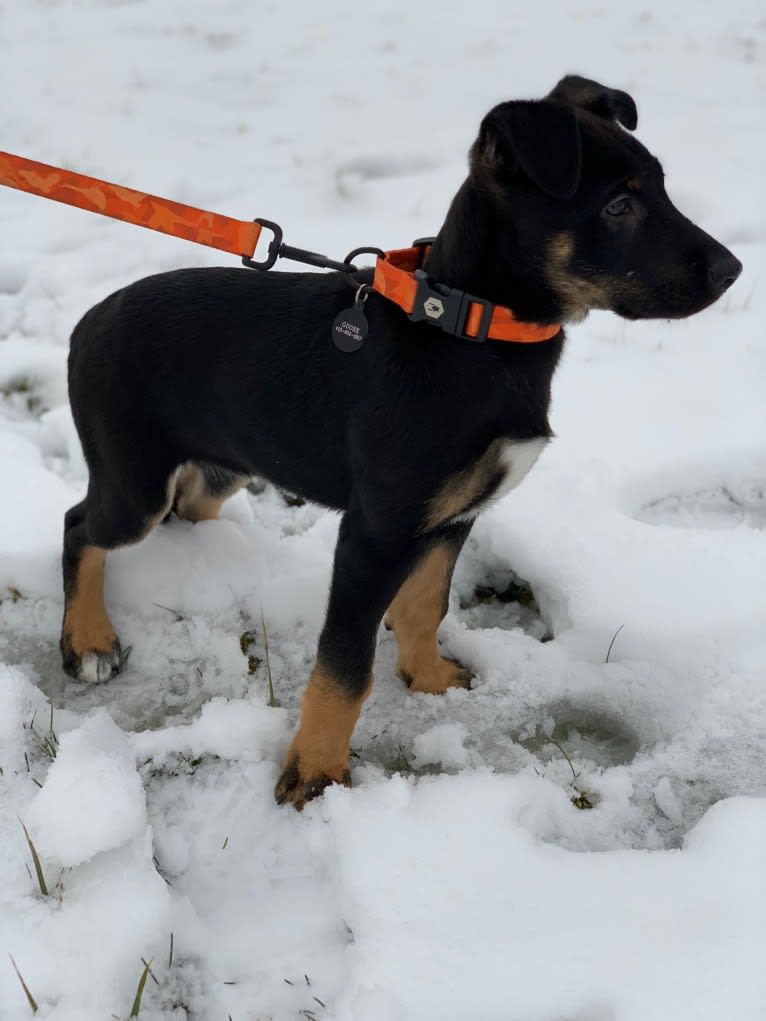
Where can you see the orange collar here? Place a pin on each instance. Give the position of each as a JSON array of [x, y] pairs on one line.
[[399, 278]]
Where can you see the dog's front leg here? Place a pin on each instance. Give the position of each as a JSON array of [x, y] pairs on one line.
[[419, 608], [367, 573]]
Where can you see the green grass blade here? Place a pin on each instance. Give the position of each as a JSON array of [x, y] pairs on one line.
[[140, 990]]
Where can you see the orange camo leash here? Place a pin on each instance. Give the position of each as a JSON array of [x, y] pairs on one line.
[[398, 274], [211, 229]]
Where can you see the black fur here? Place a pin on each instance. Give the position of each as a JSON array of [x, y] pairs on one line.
[[237, 369], [611, 104]]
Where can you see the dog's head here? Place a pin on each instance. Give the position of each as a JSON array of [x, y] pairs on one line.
[[581, 211]]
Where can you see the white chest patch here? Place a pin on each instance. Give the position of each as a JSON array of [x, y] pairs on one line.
[[516, 457]]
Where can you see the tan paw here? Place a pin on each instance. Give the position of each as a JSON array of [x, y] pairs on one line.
[[297, 788], [437, 678]]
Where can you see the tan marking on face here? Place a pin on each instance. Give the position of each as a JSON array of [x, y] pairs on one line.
[[194, 501], [576, 294], [415, 615], [561, 248], [635, 183], [87, 627], [465, 487]]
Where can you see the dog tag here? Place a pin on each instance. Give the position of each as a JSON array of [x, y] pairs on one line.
[[350, 328]]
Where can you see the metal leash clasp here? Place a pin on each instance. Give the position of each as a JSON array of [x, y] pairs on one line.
[[279, 250], [274, 250]]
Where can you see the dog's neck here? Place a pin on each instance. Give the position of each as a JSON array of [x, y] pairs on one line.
[[471, 254]]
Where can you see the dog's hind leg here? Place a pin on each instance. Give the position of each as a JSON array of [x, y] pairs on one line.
[[102, 522], [367, 573], [418, 610], [202, 488]]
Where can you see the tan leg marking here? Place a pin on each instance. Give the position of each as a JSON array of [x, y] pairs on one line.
[[414, 616], [194, 502], [86, 623], [318, 755], [90, 648]]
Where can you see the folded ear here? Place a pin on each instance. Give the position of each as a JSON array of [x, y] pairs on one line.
[[540, 138], [611, 104]]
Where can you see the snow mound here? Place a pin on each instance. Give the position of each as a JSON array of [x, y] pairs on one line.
[[92, 800]]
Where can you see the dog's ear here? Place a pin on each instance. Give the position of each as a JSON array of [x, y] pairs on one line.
[[611, 104], [542, 139]]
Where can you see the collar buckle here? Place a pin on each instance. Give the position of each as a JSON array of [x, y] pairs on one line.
[[448, 308]]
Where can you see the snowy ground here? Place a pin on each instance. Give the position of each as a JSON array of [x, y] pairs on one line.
[[457, 880]]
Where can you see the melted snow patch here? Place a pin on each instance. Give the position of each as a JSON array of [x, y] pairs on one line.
[[721, 506], [587, 734]]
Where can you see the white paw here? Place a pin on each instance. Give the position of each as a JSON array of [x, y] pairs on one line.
[[96, 667]]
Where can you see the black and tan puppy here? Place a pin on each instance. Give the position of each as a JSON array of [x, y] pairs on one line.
[[185, 384]]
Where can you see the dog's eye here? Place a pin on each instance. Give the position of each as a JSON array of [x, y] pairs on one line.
[[620, 206]]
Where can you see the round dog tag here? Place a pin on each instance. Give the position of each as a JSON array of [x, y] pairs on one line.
[[349, 329]]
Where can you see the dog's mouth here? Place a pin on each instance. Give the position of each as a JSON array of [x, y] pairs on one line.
[[675, 297], [685, 290], [667, 302]]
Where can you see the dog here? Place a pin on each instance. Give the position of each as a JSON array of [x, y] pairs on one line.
[[185, 384]]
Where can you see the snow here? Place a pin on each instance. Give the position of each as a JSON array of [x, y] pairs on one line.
[[458, 878], [442, 745], [92, 800], [644, 956]]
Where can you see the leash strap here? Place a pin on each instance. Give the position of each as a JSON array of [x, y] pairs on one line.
[[399, 278], [239, 237], [398, 273]]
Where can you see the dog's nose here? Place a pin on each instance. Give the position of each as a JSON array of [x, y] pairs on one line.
[[724, 270]]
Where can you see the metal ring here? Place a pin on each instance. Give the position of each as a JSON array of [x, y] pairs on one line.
[[365, 288], [378, 252]]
